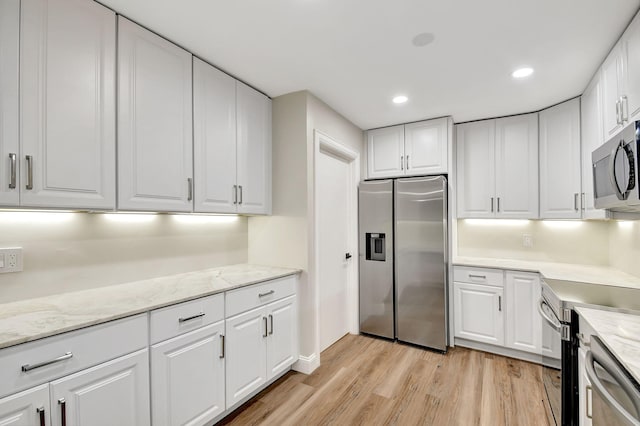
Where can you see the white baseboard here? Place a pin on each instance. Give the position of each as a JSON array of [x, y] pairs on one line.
[[307, 364], [508, 352]]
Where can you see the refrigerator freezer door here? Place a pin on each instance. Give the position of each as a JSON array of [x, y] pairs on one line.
[[421, 262], [375, 200]]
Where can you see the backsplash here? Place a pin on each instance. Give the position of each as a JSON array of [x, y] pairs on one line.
[[77, 251], [582, 242], [624, 246]]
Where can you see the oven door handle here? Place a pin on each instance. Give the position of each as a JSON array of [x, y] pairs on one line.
[[601, 390], [553, 322]]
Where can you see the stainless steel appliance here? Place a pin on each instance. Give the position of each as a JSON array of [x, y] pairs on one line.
[[560, 323], [615, 172], [403, 260], [616, 396]]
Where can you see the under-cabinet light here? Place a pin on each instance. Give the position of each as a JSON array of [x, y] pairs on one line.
[[497, 222]]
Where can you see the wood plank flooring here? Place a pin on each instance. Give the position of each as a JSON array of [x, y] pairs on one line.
[[367, 381]]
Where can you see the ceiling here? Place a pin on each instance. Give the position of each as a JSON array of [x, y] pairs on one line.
[[357, 54]]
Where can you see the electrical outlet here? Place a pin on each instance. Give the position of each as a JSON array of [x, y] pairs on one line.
[[12, 259], [527, 240]]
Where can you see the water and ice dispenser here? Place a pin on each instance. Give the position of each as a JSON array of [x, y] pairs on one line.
[[376, 247]]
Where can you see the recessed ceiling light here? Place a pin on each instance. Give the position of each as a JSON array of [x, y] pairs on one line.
[[522, 72], [423, 39], [400, 99]]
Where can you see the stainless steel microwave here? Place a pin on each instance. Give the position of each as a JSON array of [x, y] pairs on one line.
[[615, 172]]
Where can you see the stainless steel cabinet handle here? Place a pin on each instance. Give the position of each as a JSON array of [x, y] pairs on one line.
[[575, 201], [12, 172], [190, 189], [29, 367], [266, 331], [583, 202], [408, 163], [240, 202], [587, 403], [491, 204], [29, 159], [40, 411], [235, 194], [498, 209], [482, 277], [624, 109], [200, 315], [500, 303], [271, 321], [222, 348], [402, 162], [270, 292], [618, 111], [63, 411]]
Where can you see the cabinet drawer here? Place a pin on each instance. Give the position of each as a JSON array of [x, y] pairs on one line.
[[247, 298], [78, 349], [464, 274], [174, 320]]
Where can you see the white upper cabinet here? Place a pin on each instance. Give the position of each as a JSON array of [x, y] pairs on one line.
[[9, 66], [592, 137], [425, 147], [214, 139], [155, 147], [385, 152], [517, 166], [253, 150], [497, 173], [409, 150], [67, 84], [476, 169], [611, 107], [560, 161]]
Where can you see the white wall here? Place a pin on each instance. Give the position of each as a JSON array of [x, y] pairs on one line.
[[624, 246], [582, 242], [76, 251]]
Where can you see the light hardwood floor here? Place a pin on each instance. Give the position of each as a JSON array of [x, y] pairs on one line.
[[367, 381]]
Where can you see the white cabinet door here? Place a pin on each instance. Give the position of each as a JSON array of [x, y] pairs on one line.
[[67, 84], [476, 169], [560, 161], [385, 152], [611, 71], [214, 139], [426, 147], [253, 150], [523, 323], [113, 393], [246, 336], [478, 313], [155, 158], [592, 137], [9, 66], [630, 45], [516, 166], [585, 407], [28, 408], [187, 377], [282, 345]]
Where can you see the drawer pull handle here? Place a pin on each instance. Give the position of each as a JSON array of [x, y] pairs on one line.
[[222, 348], [482, 277], [40, 411], [200, 315], [12, 173], [63, 411], [271, 321], [269, 293], [266, 330], [29, 367]]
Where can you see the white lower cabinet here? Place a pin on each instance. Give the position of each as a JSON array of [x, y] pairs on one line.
[[523, 327], [188, 377], [113, 393], [27, 408], [478, 312], [261, 344]]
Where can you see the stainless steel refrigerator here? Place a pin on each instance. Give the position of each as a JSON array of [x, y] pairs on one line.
[[403, 260]]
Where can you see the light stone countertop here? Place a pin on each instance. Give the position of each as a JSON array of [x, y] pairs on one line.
[[601, 275], [32, 319], [620, 333]]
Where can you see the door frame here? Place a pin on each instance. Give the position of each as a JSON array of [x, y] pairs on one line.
[[325, 144]]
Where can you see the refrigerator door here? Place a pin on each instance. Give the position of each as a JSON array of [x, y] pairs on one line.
[[375, 200], [421, 261]]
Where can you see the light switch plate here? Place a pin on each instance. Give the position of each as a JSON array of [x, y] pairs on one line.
[[12, 259]]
